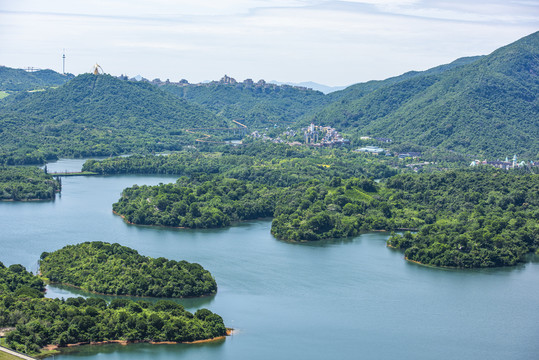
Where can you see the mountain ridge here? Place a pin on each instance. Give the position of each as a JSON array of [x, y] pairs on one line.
[[487, 107], [97, 115]]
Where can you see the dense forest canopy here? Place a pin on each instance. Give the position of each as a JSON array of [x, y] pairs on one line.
[[39, 321], [95, 115], [27, 183], [254, 106], [265, 163], [210, 204], [330, 207], [356, 91], [17, 281], [118, 270], [488, 107], [480, 218]]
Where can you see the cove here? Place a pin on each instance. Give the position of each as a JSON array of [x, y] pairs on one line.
[[342, 299]]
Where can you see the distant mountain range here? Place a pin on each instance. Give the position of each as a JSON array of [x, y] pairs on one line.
[[257, 104], [486, 106], [312, 85]]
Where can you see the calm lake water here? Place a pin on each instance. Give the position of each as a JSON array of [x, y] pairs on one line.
[[345, 299]]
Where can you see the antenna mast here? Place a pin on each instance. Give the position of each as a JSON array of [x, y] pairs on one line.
[[64, 62]]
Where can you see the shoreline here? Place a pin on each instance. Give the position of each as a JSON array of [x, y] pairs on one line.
[[132, 223], [444, 267], [427, 265], [74, 173], [52, 347], [48, 282], [30, 200], [189, 228]]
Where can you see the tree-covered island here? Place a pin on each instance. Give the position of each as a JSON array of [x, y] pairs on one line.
[[113, 269], [35, 324]]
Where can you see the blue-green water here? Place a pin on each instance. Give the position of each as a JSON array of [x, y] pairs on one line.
[[346, 299]]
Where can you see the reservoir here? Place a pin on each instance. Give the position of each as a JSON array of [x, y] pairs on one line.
[[343, 299]]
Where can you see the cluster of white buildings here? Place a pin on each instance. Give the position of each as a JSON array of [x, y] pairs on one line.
[[315, 135], [506, 165]]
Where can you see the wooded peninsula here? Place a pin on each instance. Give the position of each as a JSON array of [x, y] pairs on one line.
[[465, 218], [18, 183]]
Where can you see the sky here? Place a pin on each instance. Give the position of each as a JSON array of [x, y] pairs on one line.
[[329, 42]]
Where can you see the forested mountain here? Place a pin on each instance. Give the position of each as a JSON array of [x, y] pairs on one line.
[[256, 105], [21, 80], [488, 107], [356, 91], [96, 115]]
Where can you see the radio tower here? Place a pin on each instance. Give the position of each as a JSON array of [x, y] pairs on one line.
[[64, 62]]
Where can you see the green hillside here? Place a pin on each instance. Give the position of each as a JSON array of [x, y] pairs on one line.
[[21, 80], [356, 91], [254, 106], [488, 107], [96, 115]]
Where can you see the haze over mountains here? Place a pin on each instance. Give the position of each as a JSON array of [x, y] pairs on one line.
[[486, 105]]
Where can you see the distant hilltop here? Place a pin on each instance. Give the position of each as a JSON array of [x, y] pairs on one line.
[[225, 80]]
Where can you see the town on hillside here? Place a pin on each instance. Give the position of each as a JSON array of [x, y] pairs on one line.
[[313, 135]]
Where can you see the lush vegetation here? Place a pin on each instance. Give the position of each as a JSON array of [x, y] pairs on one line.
[[210, 204], [464, 218], [356, 91], [487, 107], [478, 219], [482, 106], [39, 321], [263, 163], [26, 183], [118, 270], [254, 106], [95, 115], [21, 80], [17, 281], [337, 208]]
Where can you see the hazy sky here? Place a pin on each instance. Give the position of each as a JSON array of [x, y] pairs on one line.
[[330, 42]]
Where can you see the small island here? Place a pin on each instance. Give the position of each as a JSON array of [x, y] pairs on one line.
[[39, 326], [113, 269]]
